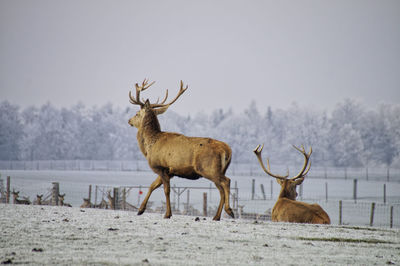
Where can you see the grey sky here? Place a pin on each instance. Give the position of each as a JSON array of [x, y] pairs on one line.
[[315, 53]]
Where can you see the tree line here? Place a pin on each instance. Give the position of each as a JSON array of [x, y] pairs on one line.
[[351, 135]]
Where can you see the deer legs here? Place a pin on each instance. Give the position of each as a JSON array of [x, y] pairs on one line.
[[162, 179], [224, 191], [226, 184], [166, 184], [217, 216], [156, 184]]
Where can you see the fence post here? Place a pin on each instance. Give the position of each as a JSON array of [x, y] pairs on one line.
[[391, 216], [236, 200], [371, 219], [8, 189], [90, 193], [95, 195], [272, 189], [205, 204], [124, 199], [253, 184], [384, 193], [326, 191], [366, 172], [340, 212], [55, 193], [263, 192], [116, 199], [187, 201], [355, 190]]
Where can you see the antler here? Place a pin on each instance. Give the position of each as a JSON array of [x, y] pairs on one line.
[[181, 91], [145, 86], [304, 170], [267, 170], [139, 89], [302, 173]]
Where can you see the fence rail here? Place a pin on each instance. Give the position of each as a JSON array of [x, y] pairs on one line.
[[203, 201], [239, 169]]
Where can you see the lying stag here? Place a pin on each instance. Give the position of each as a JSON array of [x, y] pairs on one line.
[[61, 201], [286, 208], [25, 201], [172, 154]]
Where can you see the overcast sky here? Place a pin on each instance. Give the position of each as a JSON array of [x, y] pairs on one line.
[[315, 53]]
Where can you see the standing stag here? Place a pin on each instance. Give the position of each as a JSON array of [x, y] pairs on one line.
[[286, 208], [171, 154]]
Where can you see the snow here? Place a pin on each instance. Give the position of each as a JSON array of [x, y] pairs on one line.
[[62, 235]]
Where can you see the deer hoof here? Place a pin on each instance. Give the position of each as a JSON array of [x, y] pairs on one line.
[[140, 212], [230, 212], [167, 216], [216, 218]]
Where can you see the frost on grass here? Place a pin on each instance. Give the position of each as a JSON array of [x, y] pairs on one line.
[[59, 235]]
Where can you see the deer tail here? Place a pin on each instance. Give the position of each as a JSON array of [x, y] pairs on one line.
[[226, 157]]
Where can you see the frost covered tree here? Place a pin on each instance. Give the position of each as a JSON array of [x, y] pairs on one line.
[[11, 131]]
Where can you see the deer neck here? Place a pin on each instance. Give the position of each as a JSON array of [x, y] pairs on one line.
[[149, 132], [284, 193]]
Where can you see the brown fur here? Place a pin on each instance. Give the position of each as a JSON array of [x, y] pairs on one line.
[[287, 209], [61, 201], [172, 154]]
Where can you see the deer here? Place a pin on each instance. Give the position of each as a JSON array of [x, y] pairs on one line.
[[38, 200], [172, 154], [111, 201], [286, 208], [86, 203], [25, 201], [61, 201]]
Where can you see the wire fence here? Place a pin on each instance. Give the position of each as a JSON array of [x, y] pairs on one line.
[[246, 202], [236, 169]]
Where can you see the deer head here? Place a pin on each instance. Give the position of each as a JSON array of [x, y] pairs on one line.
[[39, 199], [15, 194], [288, 185], [146, 107]]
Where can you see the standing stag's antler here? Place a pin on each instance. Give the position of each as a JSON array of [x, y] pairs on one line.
[[302, 173], [145, 86]]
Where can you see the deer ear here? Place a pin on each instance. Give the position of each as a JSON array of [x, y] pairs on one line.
[[146, 104], [161, 110], [279, 181], [299, 181]]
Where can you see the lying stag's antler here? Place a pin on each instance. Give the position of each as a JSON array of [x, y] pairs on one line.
[[302, 173], [145, 85]]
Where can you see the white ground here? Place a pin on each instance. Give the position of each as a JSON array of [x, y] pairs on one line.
[[62, 235]]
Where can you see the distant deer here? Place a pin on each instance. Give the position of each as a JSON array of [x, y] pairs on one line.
[[25, 201], [102, 205], [111, 201], [38, 200], [286, 208], [86, 203], [61, 201], [172, 154]]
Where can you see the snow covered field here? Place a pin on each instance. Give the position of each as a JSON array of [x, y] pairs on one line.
[[60, 235], [75, 185]]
